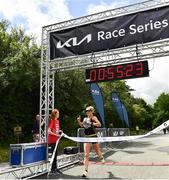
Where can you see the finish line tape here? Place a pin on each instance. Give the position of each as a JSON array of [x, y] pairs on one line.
[[119, 138]]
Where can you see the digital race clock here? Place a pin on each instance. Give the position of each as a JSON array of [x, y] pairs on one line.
[[118, 72]]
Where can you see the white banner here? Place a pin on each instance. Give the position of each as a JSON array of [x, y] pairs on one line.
[[119, 138], [54, 152]]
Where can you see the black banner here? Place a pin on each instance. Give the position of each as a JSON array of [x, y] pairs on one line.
[[142, 27]]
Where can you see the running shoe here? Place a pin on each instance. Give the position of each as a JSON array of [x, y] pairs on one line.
[[84, 173], [102, 159]]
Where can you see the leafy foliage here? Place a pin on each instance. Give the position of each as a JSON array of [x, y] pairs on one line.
[[19, 77], [161, 111], [71, 97]]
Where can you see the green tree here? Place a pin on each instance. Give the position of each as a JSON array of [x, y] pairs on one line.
[[72, 95], [19, 77], [123, 90], [142, 114], [161, 111]]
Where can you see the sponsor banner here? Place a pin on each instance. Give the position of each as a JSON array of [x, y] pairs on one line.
[[136, 28], [98, 100], [120, 108], [120, 138], [125, 114], [118, 131]]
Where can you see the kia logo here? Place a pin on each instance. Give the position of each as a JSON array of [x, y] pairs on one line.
[[74, 42]]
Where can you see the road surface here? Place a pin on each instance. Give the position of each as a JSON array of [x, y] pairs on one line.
[[146, 158]]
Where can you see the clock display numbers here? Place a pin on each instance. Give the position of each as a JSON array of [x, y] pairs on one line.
[[117, 72]]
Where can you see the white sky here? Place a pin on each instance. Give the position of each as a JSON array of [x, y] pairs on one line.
[[33, 14]]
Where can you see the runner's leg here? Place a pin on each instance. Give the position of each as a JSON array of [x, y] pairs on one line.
[[98, 151], [87, 147]]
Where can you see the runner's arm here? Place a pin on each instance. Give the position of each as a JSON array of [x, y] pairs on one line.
[[96, 122], [79, 121]]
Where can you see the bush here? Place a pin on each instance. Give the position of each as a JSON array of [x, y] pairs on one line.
[[4, 153]]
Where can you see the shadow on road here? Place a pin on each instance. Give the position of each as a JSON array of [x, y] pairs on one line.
[[164, 149], [111, 176], [66, 176]]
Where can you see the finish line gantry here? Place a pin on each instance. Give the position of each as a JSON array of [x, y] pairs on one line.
[[110, 57]]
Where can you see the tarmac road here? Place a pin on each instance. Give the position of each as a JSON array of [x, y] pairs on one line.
[[146, 158]]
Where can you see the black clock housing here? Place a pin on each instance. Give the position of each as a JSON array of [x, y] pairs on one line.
[[118, 72]]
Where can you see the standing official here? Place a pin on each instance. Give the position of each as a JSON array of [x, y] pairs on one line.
[[53, 136]]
